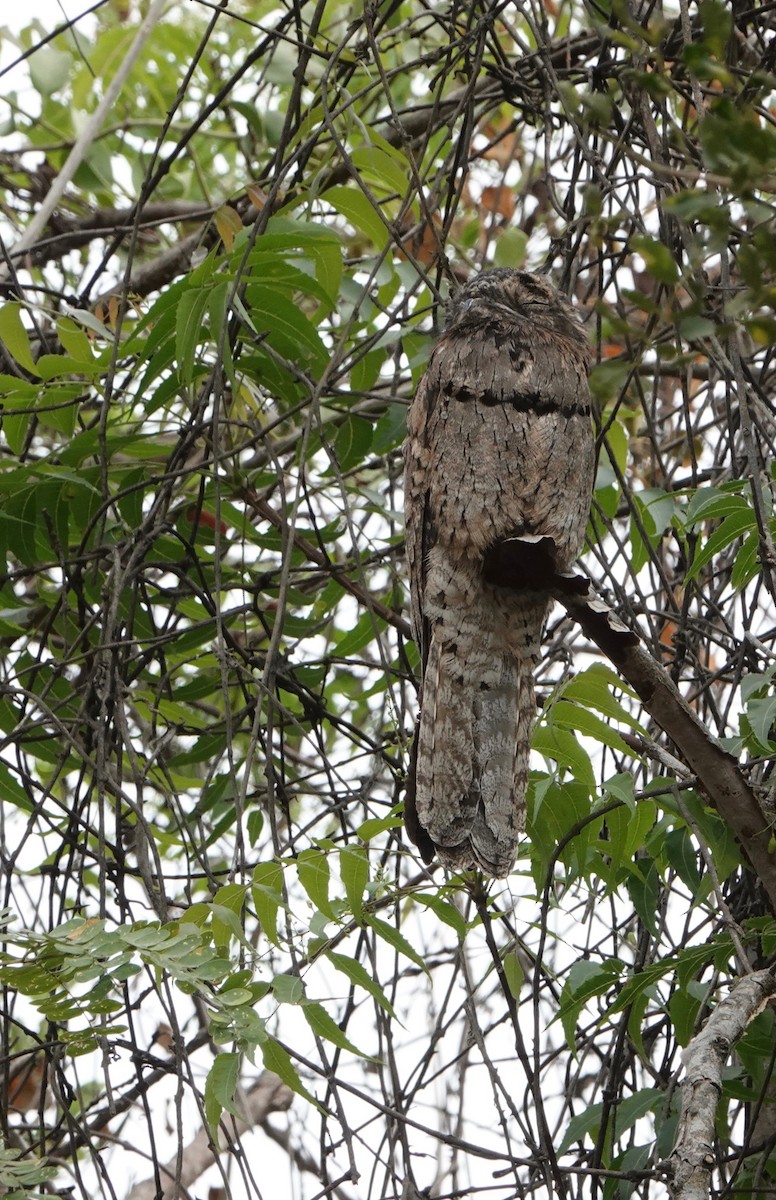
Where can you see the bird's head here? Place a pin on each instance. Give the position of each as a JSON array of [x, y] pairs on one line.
[[503, 295]]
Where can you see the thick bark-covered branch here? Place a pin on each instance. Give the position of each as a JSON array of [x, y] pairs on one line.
[[692, 1157], [86, 138], [269, 1094], [719, 775], [421, 121], [69, 233]]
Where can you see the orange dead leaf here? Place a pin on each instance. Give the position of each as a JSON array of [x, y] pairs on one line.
[[499, 200], [504, 148], [666, 638], [198, 516], [163, 1037], [26, 1082], [421, 242], [256, 195]]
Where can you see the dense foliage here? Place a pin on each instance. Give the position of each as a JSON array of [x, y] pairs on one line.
[[226, 233]]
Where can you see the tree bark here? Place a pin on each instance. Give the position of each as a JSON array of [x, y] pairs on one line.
[[269, 1094], [692, 1158]]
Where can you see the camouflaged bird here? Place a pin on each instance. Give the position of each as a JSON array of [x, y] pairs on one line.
[[500, 446]]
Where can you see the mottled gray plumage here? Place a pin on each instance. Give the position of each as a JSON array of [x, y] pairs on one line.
[[499, 445]]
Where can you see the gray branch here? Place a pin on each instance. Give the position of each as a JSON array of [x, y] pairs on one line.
[[269, 1094], [692, 1158], [719, 775]]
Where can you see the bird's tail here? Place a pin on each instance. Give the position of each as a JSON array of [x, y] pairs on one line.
[[472, 753]]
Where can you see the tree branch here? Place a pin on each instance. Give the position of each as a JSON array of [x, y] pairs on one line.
[[718, 773], [362, 594], [269, 1094], [87, 136], [692, 1157], [512, 562]]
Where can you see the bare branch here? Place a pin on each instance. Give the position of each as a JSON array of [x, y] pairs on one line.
[[267, 1095], [692, 1157]]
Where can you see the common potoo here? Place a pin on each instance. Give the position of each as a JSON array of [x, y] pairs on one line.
[[500, 446]]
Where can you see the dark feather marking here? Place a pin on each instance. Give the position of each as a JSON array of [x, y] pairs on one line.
[[415, 829], [525, 402], [428, 539]]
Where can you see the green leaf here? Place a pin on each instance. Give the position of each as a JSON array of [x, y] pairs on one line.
[[327, 1028], [711, 502], [286, 328], [18, 1171], [747, 564], [145, 937], [356, 208], [658, 257], [644, 888], [514, 973], [563, 806], [444, 910], [585, 980], [15, 430], [390, 168], [313, 869], [354, 872], [277, 1059], [373, 826], [684, 1007], [49, 69], [277, 271], [627, 830], [626, 1114], [288, 989], [219, 312], [317, 242], [268, 897], [564, 715], [655, 508], [220, 1087], [390, 430], [12, 792], [511, 248], [761, 716], [391, 935], [189, 333], [359, 636], [15, 338], [607, 380], [75, 341], [683, 857], [593, 687], [358, 975], [732, 528], [60, 407], [556, 743], [352, 443], [620, 787], [226, 923], [255, 824], [717, 23]]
